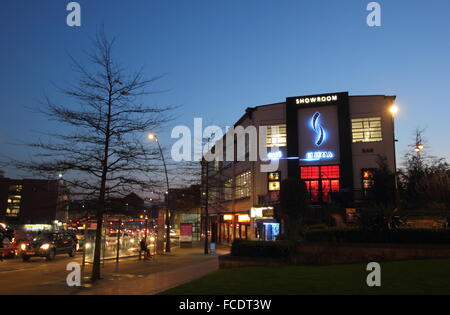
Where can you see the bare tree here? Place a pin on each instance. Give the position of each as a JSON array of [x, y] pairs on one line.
[[424, 177], [104, 149]]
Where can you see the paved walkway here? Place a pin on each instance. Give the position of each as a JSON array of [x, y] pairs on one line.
[[152, 277], [130, 276], [155, 282]]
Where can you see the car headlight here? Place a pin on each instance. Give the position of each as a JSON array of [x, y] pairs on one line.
[[45, 246], [23, 246]]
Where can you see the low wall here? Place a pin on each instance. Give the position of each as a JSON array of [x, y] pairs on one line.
[[228, 261], [329, 254], [318, 253]]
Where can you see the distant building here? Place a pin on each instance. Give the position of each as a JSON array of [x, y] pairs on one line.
[[33, 201], [185, 206], [131, 205]]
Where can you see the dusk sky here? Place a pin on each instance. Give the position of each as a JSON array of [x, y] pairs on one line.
[[221, 56]]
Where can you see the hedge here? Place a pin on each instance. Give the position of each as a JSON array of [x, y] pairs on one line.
[[400, 236], [260, 249]]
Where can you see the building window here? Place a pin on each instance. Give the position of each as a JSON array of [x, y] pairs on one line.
[[276, 136], [321, 182], [328, 172], [243, 185], [367, 130], [228, 190], [368, 182], [14, 201], [274, 186]]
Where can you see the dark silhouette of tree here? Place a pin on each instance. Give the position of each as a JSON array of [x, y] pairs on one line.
[[424, 178], [384, 190], [292, 207], [104, 152]]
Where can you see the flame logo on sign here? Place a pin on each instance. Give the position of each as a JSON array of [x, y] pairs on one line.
[[318, 129]]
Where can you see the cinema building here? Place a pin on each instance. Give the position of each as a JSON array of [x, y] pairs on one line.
[[331, 142]]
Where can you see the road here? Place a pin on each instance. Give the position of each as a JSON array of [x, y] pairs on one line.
[[37, 276], [130, 276]]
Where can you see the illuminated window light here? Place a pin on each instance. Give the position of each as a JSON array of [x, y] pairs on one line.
[[244, 218], [228, 217]]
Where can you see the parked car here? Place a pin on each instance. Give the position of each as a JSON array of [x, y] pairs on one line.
[[21, 240], [7, 243], [50, 244]]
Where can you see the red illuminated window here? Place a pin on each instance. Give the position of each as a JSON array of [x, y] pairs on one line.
[[321, 182], [330, 172], [335, 186], [324, 172], [311, 172]]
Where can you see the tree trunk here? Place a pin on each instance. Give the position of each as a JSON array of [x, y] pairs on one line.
[[96, 274]]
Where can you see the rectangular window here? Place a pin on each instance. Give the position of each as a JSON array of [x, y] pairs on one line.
[[367, 130], [228, 190], [368, 182], [274, 186], [276, 136], [14, 201], [274, 176], [243, 185], [328, 172], [310, 172]]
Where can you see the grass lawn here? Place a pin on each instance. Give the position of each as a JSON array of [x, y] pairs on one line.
[[403, 277]]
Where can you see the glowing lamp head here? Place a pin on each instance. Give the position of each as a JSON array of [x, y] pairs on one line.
[[394, 109], [152, 137]]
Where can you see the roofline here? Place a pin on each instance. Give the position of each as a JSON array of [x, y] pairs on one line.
[[251, 109]]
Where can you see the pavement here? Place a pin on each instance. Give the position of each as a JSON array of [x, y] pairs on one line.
[[129, 276]]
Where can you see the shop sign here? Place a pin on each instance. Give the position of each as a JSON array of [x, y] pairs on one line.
[[186, 232]]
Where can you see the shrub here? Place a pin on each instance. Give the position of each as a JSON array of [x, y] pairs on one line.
[[278, 249], [315, 227], [399, 236]]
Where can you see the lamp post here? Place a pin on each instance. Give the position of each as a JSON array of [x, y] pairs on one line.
[[152, 137], [205, 175], [394, 109], [59, 204]]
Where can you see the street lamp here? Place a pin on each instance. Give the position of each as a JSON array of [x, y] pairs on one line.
[[153, 137], [394, 109], [419, 148]]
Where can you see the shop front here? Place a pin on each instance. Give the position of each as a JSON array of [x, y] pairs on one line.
[[232, 227], [265, 226]]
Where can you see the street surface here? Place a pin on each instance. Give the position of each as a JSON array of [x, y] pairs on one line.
[[129, 276]]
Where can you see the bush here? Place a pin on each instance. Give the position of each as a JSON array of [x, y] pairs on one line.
[[316, 227], [259, 249], [400, 236]]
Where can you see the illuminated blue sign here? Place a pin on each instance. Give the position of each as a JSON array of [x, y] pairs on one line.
[[317, 127], [318, 156], [318, 135], [321, 137]]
